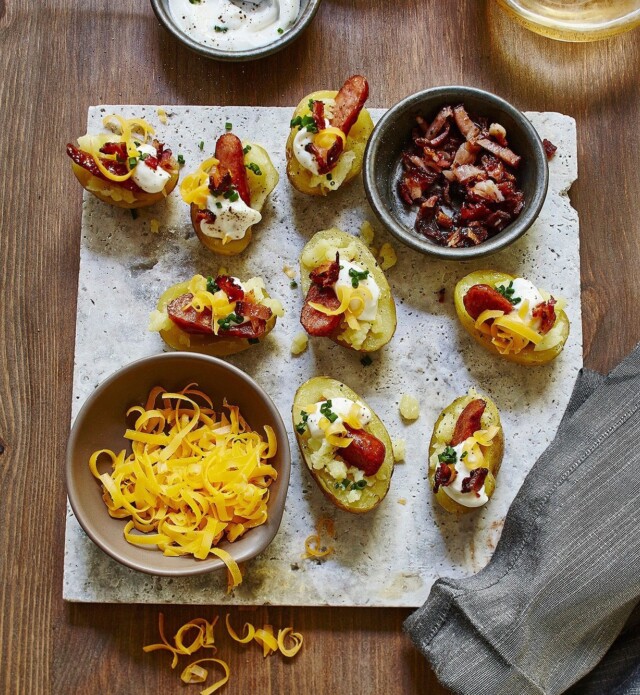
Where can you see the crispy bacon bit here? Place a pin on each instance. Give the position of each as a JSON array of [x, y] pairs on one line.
[[251, 310], [151, 162], [117, 148], [546, 312], [468, 421], [349, 102], [230, 287], [365, 452], [205, 216], [461, 201], [317, 111], [326, 274], [479, 298], [549, 148], [475, 481], [248, 331], [86, 161], [187, 318], [444, 476], [315, 322]]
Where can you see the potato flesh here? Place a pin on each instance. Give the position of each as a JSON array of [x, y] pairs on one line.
[[528, 356], [327, 242], [442, 435], [322, 388], [356, 142], [259, 187]]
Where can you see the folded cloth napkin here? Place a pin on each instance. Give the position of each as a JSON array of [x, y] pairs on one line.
[[565, 575]]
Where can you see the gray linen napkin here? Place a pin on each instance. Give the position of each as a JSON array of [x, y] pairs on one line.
[[565, 576]]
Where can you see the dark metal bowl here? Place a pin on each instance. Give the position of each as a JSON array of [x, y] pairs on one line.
[[308, 9], [382, 166]]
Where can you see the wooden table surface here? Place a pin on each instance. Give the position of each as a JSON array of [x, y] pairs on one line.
[[58, 57]]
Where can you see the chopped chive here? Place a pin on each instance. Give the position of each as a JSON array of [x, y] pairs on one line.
[[293, 284], [366, 361], [220, 30], [180, 160], [246, 149], [448, 455], [280, 30], [228, 126], [218, 204], [133, 162], [329, 177], [212, 285], [252, 166], [201, 144], [357, 276]]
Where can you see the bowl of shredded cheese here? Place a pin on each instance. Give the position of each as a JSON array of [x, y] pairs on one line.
[[179, 464]]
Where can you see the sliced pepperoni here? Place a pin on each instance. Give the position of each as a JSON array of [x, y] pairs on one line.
[[349, 102], [187, 318], [365, 452], [479, 298], [230, 154], [86, 161], [546, 313], [315, 322], [326, 274], [468, 422]]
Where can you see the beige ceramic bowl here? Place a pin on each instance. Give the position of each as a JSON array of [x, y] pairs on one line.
[[101, 424]]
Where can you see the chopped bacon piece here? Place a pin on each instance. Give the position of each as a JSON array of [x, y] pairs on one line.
[[474, 211], [326, 274], [479, 298], [230, 154], [315, 322], [466, 154], [546, 312], [488, 190], [498, 132], [86, 161], [439, 122], [444, 476], [467, 172], [365, 452], [349, 102], [230, 287], [205, 216], [468, 421], [187, 318], [443, 220], [475, 480], [248, 331], [549, 148], [252, 311], [151, 162], [117, 148], [317, 111], [465, 125], [505, 154]]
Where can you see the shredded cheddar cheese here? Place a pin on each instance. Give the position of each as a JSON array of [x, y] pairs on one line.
[[162, 115], [194, 477], [314, 547], [267, 639], [195, 186]]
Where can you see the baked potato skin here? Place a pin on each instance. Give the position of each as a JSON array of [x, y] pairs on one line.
[[386, 319], [442, 434], [527, 357], [143, 200], [320, 388], [356, 142], [177, 339], [259, 186]]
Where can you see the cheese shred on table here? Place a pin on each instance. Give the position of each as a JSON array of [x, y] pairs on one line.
[[194, 478]]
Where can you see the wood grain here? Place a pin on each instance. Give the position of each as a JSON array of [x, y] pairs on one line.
[[60, 56]]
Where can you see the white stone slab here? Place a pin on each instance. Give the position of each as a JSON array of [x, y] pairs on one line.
[[392, 556]]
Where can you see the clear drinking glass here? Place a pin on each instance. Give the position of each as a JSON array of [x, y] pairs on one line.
[[575, 20]]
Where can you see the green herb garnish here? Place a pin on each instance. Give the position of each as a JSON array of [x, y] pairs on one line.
[[246, 148], [293, 284], [201, 145], [307, 122], [252, 166], [507, 292], [359, 485], [325, 409], [195, 2], [357, 275], [180, 160], [342, 484], [329, 177], [280, 30], [302, 425], [448, 455], [463, 455], [228, 126], [218, 204], [253, 341], [133, 162], [212, 286], [366, 361], [220, 30], [226, 322]]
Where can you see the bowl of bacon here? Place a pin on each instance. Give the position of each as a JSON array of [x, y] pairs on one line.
[[179, 464], [456, 172]]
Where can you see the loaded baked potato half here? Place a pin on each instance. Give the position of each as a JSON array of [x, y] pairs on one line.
[[347, 296], [215, 316], [126, 167], [227, 193], [512, 318], [344, 444], [465, 453], [329, 133]]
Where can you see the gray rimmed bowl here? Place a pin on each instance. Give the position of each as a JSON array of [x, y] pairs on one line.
[[382, 166], [101, 423], [308, 9]]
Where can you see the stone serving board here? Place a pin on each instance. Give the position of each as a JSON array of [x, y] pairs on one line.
[[391, 556]]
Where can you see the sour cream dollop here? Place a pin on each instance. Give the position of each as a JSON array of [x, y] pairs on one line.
[[341, 407], [235, 25], [150, 180], [233, 218], [454, 490], [370, 310], [526, 291]]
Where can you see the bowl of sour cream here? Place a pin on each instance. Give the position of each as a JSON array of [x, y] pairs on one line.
[[235, 30]]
